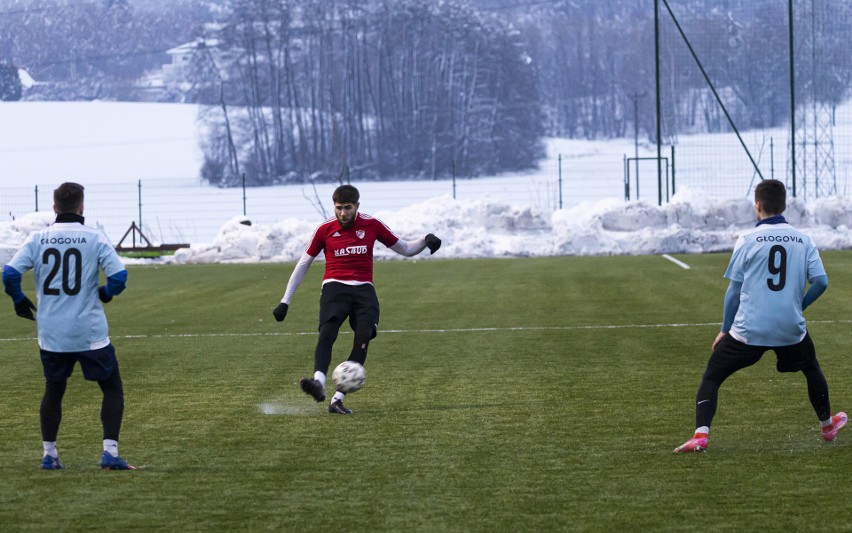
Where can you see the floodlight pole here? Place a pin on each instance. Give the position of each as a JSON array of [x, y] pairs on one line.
[[657, 82], [792, 97]]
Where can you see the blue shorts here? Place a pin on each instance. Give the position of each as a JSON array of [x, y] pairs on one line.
[[97, 365]]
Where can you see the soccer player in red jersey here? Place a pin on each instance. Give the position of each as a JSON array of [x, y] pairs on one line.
[[347, 286]]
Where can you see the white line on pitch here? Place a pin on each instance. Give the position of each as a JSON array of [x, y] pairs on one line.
[[404, 331], [681, 264]]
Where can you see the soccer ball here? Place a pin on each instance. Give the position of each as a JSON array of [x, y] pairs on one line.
[[349, 376]]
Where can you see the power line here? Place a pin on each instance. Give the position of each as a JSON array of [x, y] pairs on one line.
[[28, 10], [81, 59], [519, 5], [129, 142], [305, 30], [86, 59]]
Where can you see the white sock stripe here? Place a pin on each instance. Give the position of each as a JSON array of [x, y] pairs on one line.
[[111, 447], [49, 448]]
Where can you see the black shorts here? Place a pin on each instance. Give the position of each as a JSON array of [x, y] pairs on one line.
[[731, 355], [358, 302], [97, 365]]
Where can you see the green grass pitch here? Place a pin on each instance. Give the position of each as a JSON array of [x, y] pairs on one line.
[[503, 394]]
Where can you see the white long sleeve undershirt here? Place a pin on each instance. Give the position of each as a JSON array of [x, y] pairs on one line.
[[297, 276], [409, 248]]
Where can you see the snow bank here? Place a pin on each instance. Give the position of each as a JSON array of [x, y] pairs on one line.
[[691, 223]]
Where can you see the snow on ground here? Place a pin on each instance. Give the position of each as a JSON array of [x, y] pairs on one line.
[[96, 142], [691, 223], [109, 146]]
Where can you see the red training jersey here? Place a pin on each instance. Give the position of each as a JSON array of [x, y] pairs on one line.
[[349, 252]]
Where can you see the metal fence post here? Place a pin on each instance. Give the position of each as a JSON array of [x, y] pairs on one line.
[[139, 198], [772, 157], [560, 181], [668, 180], [244, 194], [673, 171], [454, 179]]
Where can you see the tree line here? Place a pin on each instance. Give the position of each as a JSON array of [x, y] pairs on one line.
[[92, 49], [595, 59], [403, 88]]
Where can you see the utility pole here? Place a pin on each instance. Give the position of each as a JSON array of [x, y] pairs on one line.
[[792, 95], [659, 103]]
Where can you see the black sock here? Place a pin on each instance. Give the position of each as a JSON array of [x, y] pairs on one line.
[[112, 406], [705, 402], [322, 353], [50, 411], [817, 390]]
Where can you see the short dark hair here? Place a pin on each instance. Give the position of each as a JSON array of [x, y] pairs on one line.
[[345, 194], [772, 196], [68, 197]]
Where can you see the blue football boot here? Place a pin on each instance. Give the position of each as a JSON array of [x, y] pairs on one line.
[[108, 462], [51, 463]]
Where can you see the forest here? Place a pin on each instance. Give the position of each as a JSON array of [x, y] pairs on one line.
[[300, 89]]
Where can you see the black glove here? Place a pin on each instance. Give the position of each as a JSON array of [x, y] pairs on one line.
[[102, 294], [280, 312], [25, 308], [433, 243]]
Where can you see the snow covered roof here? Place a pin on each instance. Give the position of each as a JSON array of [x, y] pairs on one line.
[[27, 81]]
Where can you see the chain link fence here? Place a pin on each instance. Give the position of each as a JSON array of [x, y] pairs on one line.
[[187, 211], [725, 71]]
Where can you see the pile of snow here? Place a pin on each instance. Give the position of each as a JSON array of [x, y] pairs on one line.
[[14, 233], [691, 223]]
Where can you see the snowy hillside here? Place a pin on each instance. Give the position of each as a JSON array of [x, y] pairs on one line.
[[108, 146]]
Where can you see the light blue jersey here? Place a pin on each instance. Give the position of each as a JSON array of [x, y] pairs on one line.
[[774, 261], [65, 258]]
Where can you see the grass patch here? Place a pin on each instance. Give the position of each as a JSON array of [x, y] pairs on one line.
[[502, 394]]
